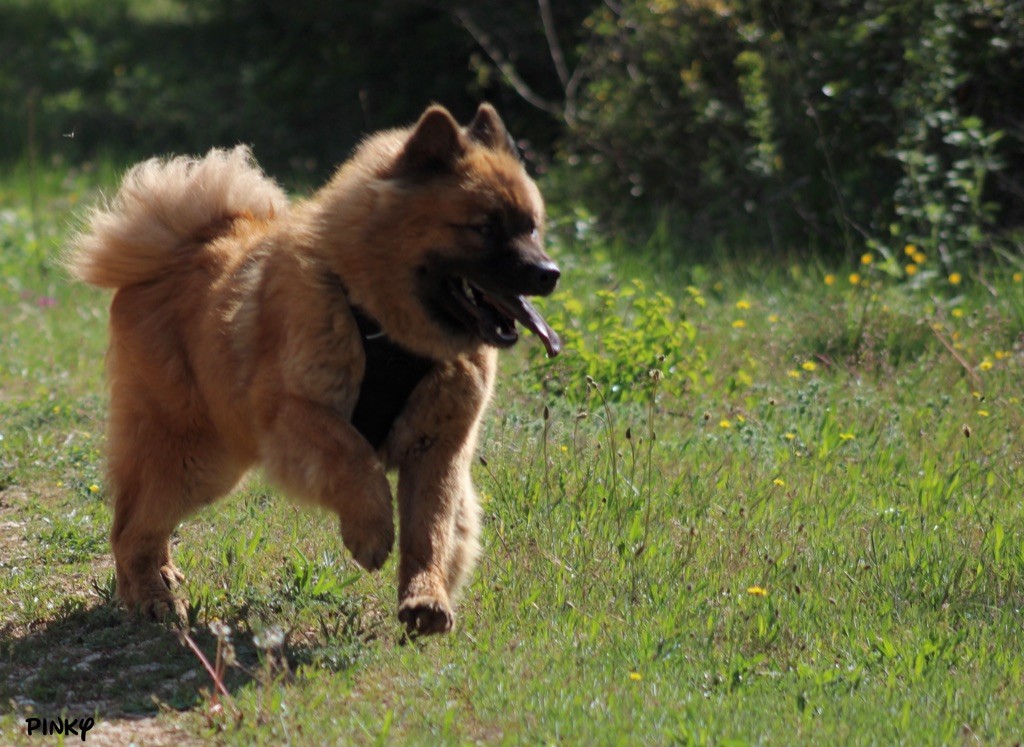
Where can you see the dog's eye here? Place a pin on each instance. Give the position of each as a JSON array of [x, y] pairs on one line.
[[487, 229]]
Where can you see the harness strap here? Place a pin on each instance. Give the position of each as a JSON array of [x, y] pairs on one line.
[[391, 374]]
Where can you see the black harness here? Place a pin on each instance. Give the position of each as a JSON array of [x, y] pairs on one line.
[[392, 372]]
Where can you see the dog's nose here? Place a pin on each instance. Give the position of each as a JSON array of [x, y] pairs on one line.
[[543, 277]]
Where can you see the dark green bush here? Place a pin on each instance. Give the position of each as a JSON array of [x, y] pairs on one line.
[[301, 81], [837, 123]]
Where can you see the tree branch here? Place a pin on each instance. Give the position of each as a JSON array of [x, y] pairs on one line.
[[548, 20], [507, 69]]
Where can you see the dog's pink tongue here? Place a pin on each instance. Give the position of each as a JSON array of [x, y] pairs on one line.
[[529, 317]]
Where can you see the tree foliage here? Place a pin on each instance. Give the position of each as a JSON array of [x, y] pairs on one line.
[[838, 122], [301, 81]]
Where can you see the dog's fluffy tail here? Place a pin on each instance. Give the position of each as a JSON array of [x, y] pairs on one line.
[[162, 207]]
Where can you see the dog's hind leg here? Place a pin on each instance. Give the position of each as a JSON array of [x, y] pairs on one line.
[[157, 478]]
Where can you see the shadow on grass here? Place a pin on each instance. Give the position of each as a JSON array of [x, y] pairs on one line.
[[103, 661]]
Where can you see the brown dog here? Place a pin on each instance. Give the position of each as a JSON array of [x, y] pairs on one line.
[[325, 340]]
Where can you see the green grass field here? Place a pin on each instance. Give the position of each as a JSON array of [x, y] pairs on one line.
[[754, 502]]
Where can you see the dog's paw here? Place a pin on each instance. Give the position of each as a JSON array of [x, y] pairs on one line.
[[370, 546], [171, 576], [368, 522], [425, 616], [152, 598], [163, 609]]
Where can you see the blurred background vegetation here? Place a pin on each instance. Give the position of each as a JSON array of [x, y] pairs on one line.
[[836, 126]]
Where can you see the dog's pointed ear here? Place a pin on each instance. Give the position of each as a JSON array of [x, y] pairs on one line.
[[434, 145], [488, 129]]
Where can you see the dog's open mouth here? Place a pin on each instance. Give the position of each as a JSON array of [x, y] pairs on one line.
[[494, 315]]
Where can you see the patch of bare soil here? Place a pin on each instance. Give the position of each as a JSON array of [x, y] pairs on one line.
[[130, 676]]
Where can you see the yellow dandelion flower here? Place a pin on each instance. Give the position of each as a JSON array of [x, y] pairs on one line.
[[789, 436], [94, 488], [957, 313], [724, 424], [830, 280], [809, 366], [565, 449], [919, 258], [910, 269], [983, 413], [986, 365], [793, 374], [910, 250], [757, 591], [779, 482], [866, 258], [742, 304], [739, 324], [955, 278], [854, 278], [1002, 354], [976, 394], [846, 436], [1018, 277], [773, 318], [635, 676]]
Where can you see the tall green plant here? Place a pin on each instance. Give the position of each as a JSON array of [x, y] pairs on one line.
[[947, 156]]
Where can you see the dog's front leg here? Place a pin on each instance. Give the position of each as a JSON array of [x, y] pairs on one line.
[[433, 445], [314, 454]]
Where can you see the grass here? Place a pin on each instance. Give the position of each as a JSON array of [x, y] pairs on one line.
[[806, 528]]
